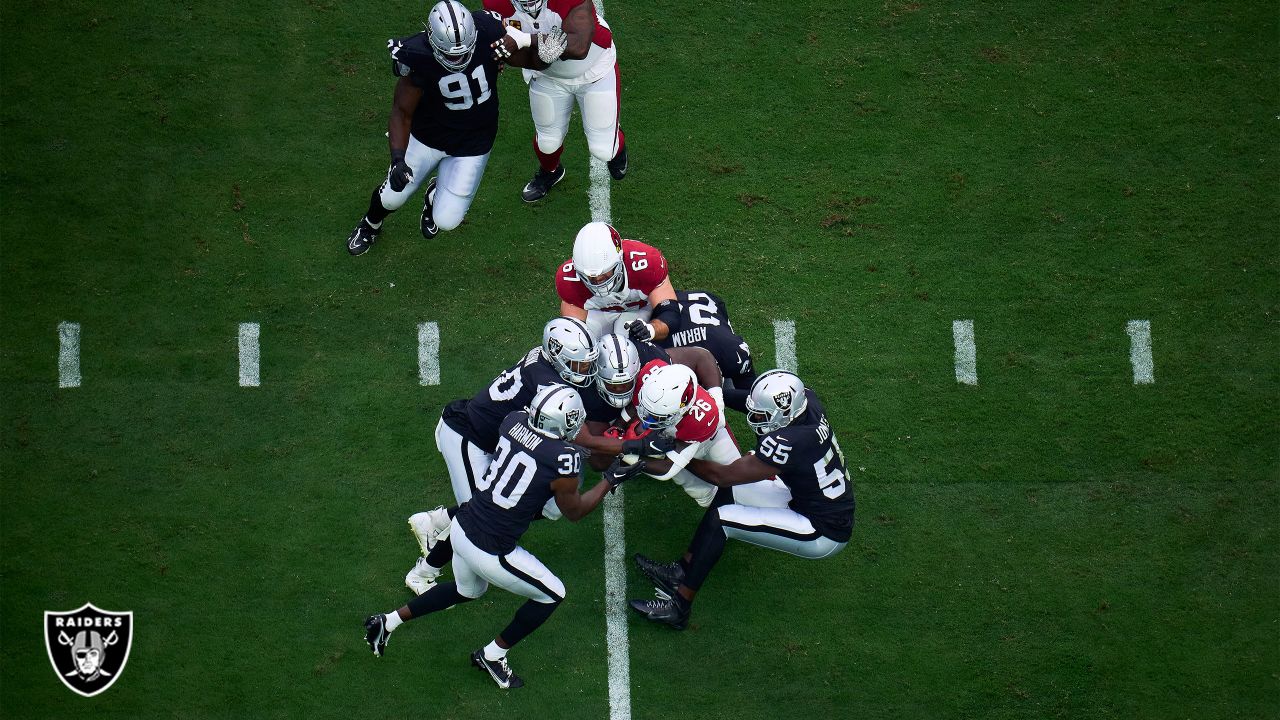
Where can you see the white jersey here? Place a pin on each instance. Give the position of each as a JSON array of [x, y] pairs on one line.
[[599, 60]]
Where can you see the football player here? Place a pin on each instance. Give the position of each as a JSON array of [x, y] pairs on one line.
[[467, 432], [535, 464], [797, 445], [704, 322], [568, 54], [610, 280], [444, 117]]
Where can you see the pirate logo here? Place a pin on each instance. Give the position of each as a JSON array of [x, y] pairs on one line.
[[88, 647], [783, 400]]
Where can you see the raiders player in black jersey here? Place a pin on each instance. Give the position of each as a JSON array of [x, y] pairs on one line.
[[534, 465], [704, 322], [444, 116], [797, 445]]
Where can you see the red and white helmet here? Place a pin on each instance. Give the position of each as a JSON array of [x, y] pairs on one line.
[[667, 394], [597, 257]]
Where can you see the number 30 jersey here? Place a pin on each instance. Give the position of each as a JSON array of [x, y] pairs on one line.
[[808, 459], [517, 485], [458, 112]]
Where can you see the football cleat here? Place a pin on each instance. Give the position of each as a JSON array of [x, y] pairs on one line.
[[666, 577], [541, 184], [429, 527], [663, 611], [497, 669], [375, 633], [422, 577], [618, 165], [428, 223], [362, 237]]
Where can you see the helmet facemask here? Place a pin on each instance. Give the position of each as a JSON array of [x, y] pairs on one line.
[[568, 346], [530, 7], [616, 370]]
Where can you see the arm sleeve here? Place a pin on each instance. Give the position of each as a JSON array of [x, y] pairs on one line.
[[679, 460]]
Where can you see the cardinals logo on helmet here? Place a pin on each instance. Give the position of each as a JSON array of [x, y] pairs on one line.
[[88, 647]]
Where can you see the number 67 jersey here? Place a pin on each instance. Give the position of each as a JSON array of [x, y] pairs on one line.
[[808, 459]]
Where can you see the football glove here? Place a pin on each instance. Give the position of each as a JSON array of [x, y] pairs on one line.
[[651, 445], [640, 331], [619, 472], [400, 176]]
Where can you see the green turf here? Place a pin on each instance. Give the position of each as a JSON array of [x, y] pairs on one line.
[[1055, 542]]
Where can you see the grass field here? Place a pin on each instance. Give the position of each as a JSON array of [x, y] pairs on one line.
[[1053, 542]]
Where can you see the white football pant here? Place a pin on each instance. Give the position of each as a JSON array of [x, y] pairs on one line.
[[518, 571], [551, 104], [777, 528], [457, 180], [600, 323]]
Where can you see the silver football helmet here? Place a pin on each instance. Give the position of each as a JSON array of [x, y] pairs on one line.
[[616, 369], [597, 258], [666, 396], [557, 412], [452, 33], [567, 345], [530, 7], [776, 398]]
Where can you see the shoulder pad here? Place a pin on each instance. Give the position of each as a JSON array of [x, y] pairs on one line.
[[409, 54]]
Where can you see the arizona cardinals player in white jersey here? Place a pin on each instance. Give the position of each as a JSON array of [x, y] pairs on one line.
[[567, 52], [610, 278]]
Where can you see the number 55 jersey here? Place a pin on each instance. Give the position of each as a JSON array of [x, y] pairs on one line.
[[808, 459]]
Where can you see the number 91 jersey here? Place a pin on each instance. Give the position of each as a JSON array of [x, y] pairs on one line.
[[808, 459], [517, 485], [458, 112]]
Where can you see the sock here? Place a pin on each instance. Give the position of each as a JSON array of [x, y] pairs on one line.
[[492, 652], [376, 213], [443, 595], [528, 618], [393, 620], [548, 161], [707, 546], [622, 144], [441, 554]]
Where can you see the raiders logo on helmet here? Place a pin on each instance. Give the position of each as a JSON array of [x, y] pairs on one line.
[[88, 646], [555, 346], [783, 400]]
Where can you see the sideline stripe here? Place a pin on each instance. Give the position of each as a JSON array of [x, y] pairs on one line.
[[615, 545], [428, 353], [966, 352], [249, 355], [68, 354], [1144, 371], [784, 343]]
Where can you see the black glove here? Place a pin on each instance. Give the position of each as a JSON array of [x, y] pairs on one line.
[[640, 331], [651, 445], [401, 174], [619, 472]]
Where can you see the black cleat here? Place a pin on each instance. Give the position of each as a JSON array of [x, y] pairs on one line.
[[429, 227], [540, 185], [666, 577], [362, 237], [375, 633], [497, 669], [618, 165], [663, 611]]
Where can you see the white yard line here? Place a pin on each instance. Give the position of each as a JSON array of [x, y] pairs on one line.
[[428, 353], [68, 355], [1144, 371], [784, 344], [966, 352], [249, 355]]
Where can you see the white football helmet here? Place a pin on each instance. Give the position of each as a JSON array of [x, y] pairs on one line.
[[530, 7], [597, 257], [666, 396], [616, 369], [452, 33], [557, 412], [568, 346], [776, 398]]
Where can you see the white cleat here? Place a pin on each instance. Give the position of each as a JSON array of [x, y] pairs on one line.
[[422, 577], [429, 527]]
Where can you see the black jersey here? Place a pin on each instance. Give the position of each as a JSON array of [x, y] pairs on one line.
[[458, 113], [600, 410], [808, 458], [517, 485], [704, 322], [478, 419]]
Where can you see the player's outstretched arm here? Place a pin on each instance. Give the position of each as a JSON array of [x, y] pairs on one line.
[[580, 27], [701, 361], [666, 310], [573, 311], [746, 469], [575, 505], [403, 104]]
